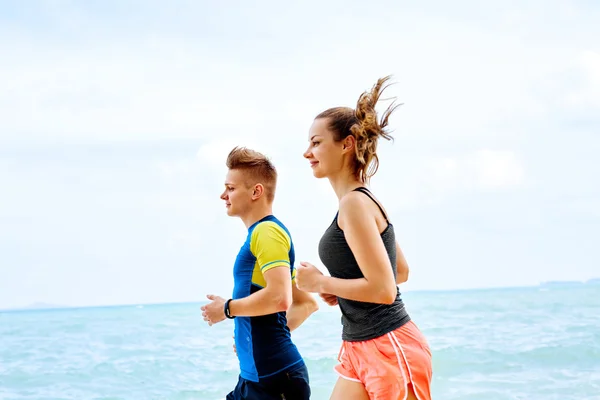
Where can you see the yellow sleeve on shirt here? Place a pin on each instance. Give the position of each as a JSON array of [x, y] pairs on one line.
[[271, 245]]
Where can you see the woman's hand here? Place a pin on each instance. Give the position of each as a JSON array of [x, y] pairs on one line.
[[309, 278], [330, 299]]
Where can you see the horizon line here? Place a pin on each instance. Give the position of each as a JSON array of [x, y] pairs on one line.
[[41, 306]]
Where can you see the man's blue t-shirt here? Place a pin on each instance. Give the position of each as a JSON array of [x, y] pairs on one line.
[[263, 343]]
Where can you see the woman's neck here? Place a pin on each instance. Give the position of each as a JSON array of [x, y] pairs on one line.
[[344, 183]]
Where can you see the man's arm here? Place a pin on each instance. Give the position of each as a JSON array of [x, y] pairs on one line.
[[303, 305], [271, 245], [275, 297]]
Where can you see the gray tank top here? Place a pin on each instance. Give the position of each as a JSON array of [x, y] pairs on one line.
[[361, 320]]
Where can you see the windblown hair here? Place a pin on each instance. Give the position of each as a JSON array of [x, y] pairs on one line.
[[362, 123], [257, 168]]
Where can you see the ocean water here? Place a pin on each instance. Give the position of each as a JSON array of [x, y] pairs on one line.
[[526, 343]]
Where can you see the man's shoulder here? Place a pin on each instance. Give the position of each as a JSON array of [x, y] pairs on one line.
[[270, 225]]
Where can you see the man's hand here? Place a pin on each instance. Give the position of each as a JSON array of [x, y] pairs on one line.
[[330, 299], [302, 307], [309, 278], [213, 312]]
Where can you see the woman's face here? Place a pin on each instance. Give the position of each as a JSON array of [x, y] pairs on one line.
[[326, 156]]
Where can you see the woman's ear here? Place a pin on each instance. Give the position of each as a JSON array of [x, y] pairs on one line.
[[349, 143]]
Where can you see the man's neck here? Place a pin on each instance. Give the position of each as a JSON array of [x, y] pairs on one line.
[[256, 215]]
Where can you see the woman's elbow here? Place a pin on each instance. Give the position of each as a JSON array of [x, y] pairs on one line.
[[402, 276], [401, 272], [390, 298], [388, 295]]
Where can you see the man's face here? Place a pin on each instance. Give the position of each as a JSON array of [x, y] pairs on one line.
[[237, 194]]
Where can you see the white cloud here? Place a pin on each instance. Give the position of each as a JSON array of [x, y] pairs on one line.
[[587, 94], [465, 74], [172, 169], [482, 170], [496, 169], [445, 173], [165, 85], [214, 152], [590, 61], [588, 207]]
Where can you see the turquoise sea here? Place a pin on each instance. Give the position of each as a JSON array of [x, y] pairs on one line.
[[524, 343]]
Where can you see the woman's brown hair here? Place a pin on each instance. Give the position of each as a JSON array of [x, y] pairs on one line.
[[362, 123]]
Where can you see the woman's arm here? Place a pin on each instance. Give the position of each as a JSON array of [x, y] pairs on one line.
[[401, 266], [364, 239]]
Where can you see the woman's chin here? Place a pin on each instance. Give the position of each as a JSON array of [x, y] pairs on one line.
[[318, 174]]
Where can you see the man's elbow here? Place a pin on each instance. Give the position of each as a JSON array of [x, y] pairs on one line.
[[312, 306], [283, 301]]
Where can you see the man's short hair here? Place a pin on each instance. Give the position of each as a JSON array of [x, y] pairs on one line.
[[257, 167]]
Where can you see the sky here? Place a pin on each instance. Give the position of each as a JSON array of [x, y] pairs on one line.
[[116, 118]]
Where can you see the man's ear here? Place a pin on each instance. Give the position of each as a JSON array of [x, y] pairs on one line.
[[258, 191]]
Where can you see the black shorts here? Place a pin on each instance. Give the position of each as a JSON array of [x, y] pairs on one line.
[[289, 385]]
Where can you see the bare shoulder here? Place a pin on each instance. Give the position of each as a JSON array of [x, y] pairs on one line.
[[352, 202], [359, 208], [354, 209]]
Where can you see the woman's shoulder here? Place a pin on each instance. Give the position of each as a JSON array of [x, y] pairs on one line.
[[354, 209], [354, 201]]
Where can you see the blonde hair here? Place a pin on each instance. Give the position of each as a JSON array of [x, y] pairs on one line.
[[257, 168], [362, 123]]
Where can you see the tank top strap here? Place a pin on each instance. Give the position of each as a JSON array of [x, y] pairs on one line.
[[368, 193]]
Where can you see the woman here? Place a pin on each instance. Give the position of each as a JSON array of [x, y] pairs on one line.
[[383, 355]]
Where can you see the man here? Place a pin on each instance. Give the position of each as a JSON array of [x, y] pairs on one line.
[[266, 305]]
